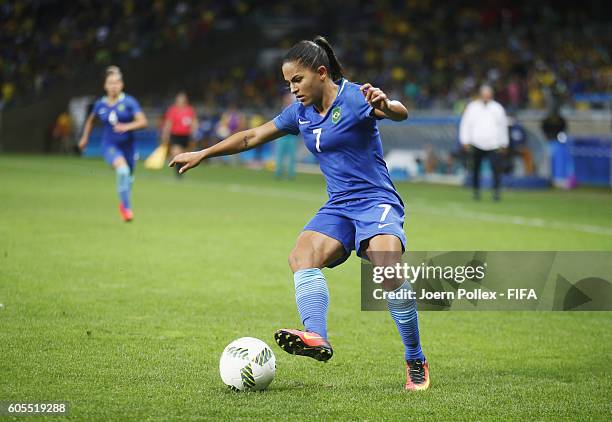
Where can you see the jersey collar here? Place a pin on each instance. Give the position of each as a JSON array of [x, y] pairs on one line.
[[341, 87], [121, 97], [314, 112]]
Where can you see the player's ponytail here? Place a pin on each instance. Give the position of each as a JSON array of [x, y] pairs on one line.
[[335, 68], [312, 54]]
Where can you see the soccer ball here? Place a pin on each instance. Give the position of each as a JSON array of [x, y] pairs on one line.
[[247, 364]]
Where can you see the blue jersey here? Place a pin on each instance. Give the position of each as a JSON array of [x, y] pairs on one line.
[[346, 143], [123, 111]]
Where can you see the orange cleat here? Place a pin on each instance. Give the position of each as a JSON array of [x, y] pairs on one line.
[[417, 375], [126, 213], [304, 343]]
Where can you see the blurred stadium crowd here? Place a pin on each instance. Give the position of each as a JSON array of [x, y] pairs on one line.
[[427, 55]]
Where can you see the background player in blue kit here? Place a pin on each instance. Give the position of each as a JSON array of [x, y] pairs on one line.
[[121, 115], [337, 120]]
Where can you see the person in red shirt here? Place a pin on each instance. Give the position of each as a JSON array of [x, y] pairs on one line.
[[180, 123]]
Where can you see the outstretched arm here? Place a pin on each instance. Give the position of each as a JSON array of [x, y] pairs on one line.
[[238, 142], [139, 122], [86, 131], [382, 105]]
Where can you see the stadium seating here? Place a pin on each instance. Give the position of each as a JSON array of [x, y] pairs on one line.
[[429, 62]]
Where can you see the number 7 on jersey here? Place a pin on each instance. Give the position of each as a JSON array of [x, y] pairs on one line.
[[318, 133]]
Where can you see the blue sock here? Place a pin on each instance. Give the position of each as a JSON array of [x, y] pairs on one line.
[[124, 185], [312, 298], [404, 313]]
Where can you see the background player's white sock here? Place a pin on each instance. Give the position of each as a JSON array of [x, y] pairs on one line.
[[124, 185]]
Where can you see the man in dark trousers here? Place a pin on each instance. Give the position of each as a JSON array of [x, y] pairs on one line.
[[484, 132]]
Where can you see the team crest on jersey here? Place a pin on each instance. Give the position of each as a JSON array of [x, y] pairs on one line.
[[336, 114], [121, 107]]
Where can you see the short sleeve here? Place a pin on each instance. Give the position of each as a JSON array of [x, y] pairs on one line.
[[287, 120], [96, 107], [362, 108], [134, 105]]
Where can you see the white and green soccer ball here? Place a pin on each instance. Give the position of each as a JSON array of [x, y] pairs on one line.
[[247, 364]]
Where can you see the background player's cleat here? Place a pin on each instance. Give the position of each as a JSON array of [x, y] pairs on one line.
[[126, 213], [304, 343], [417, 375]]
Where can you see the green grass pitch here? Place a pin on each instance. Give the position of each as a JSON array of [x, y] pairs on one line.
[[127, 321]]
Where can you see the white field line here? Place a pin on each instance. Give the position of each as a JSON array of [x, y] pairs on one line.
[[460, 212], [450, 210]]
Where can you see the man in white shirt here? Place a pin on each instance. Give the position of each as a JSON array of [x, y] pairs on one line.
[[484, 132]]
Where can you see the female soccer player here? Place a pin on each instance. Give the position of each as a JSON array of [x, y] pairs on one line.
[[337, 120], [121, 116]]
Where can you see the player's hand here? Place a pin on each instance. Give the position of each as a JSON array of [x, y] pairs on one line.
[[83, 143], [466, 147], [121, 128], [186, 160], [375, 97]]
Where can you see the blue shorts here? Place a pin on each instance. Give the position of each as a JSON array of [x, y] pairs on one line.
[[124, 149], [352, 222]]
